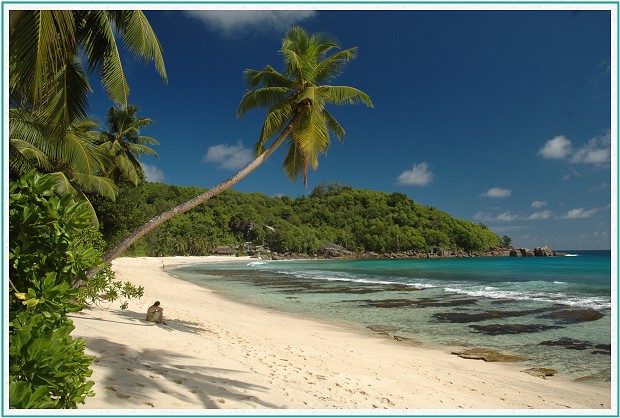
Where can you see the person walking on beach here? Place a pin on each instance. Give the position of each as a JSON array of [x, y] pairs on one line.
[[155, 313]]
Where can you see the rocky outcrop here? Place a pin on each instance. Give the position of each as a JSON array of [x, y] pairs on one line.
[[541, 372], [543, 252], [488, 355], [406, 340], [536, 252], [333, 250]]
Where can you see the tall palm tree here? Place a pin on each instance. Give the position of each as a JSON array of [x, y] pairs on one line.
[[73, 161], [296, 113], [45, 70], [124, 144], [48, 87]]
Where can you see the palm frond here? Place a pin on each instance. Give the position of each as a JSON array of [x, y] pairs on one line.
[[331, 67], [126, 168], [40, 42], [63, 186], [80, 150], [277, 118], [144, 140], [320, 44], [70, 99], [333, 126], [29, 156], [140, 38], [262, 97], [267, 77], [102, 186], [312, 136], [139, 149], [21, 155], [97, 35], [344, 95], [28, 126], [293, 163]]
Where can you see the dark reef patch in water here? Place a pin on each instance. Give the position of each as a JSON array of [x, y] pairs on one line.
[[572, 344], [420, 303], [462, 317], [389, 303], [503, 329], [573, 316]]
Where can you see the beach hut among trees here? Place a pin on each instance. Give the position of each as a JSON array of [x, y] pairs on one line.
[[225, 250]]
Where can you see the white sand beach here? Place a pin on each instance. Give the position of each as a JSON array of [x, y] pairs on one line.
[[218, 354]]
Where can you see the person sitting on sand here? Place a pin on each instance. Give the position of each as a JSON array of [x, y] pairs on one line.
[[155, 313]]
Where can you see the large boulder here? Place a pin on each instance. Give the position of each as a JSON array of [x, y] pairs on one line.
[[543, 252], [333, 250]]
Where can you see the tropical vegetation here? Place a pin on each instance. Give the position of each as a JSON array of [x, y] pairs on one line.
[[361, 221], [56, 157], [296, 101]]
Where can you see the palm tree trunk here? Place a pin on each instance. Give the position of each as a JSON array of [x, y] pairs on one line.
[[190, 204]]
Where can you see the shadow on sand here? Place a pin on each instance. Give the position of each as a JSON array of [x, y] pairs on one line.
[[153, 369]]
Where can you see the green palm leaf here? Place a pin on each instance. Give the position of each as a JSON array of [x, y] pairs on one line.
[[139, 149], [296, 98], [41, 41], [101, 51], [344, 95], [140, 38], [23, 157], [277, 118], [262, 97]]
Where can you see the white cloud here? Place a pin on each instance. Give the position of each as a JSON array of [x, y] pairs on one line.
[[543, 214], [580, 213], [153, 174], [597, 151], [502, 217], [557, 148], [419, 175], [237, 22], [537, 204], [496, 193], [229, 156], [506, 217]]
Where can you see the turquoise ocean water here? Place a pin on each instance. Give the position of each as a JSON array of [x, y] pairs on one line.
[[557, 311]]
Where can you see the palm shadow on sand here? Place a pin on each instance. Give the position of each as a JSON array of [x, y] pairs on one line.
[[200, 387]]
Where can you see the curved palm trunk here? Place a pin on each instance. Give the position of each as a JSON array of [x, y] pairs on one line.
[[190, 204]]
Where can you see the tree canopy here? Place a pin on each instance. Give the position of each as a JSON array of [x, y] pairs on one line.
[[356, 219]]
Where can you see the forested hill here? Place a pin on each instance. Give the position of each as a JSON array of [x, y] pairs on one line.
[[358, 220]]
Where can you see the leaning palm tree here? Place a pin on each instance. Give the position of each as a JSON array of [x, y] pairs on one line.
[[124, 144], [296, 113]]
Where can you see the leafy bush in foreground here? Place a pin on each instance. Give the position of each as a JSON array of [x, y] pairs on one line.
[[48, 251], [51, 244]]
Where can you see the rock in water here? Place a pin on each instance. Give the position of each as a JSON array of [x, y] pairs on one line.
[[540, 372], [488, 355]]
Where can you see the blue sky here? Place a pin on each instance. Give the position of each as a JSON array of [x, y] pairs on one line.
[[496, 116]]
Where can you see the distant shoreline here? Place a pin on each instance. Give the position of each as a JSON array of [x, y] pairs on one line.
[[337, 252]]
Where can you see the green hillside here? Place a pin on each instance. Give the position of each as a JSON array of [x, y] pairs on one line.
[[358, 220]]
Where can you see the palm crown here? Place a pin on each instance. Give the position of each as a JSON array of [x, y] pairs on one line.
[[124, 143], [297, 97]]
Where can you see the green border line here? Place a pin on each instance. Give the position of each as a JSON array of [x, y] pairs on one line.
[[318, 3]]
